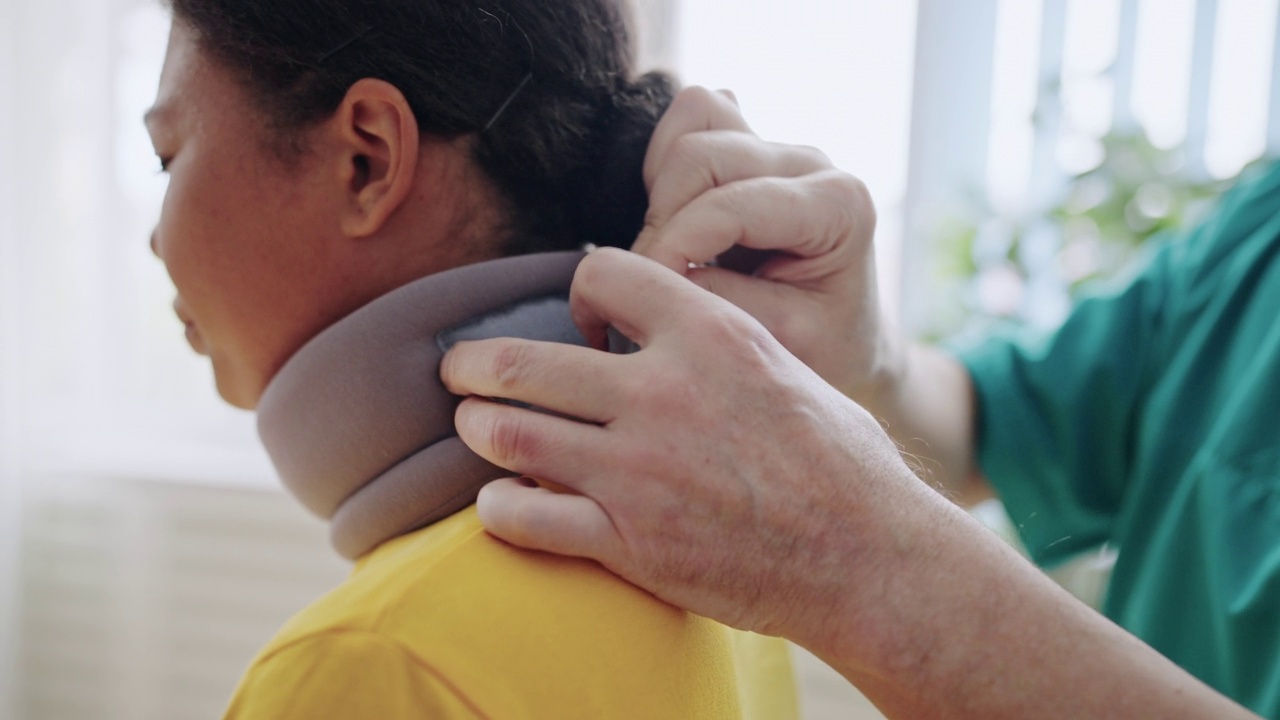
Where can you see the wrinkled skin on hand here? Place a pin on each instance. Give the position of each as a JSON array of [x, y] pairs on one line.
[[718, 471], [712, 467], [714, 185], [716, 375]]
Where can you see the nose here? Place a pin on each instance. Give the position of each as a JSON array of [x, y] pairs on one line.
[[155, 246]]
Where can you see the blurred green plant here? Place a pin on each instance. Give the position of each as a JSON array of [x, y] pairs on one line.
[[992, 269]]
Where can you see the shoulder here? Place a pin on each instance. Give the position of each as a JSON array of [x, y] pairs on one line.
[[455, 586], [468, 609], [343, 674], [454, 574], [1243, 227]]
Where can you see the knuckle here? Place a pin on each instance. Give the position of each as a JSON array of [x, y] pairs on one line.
[[812, 156], [694, 98], [664, 394], [587, 272], [731, 331], [739, 197], [720, 323], [510, 367], [796, 331], [694, 157], [675, 396], [849, 190], [757, 347], [691, 149], [655, 218], [511, 442], [761, 347], [592, 271], [851, 199]]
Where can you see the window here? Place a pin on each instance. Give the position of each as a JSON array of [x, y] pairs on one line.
[[108, 384], [1016, 98]]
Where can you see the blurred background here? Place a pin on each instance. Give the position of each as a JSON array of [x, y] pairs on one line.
[[1019, 151]]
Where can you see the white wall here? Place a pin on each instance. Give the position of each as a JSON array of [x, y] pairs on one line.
[[114, 387], [835, 74], [9, 500]]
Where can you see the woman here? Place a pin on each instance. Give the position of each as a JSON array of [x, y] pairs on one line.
[[334, 166]]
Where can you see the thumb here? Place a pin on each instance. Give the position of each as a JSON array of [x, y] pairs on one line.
[[539, 519]]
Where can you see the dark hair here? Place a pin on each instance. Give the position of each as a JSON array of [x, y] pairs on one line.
[[566, 153]]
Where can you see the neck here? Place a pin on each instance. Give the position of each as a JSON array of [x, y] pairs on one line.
[[357, 422]]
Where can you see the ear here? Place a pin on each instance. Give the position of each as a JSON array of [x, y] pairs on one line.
[[378, 136]]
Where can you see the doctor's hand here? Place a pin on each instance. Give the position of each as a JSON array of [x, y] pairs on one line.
[[717, 471], [807, 229], [711, 467]]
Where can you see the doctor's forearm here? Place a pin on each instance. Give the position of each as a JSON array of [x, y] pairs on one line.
[[927, 404], [961, 627]]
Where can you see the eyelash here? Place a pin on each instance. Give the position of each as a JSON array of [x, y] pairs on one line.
[[164, 164]]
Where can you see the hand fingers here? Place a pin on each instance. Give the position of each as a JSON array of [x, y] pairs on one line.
[[568, 379], [636, 296], [700, 162], [694, 109], [806, 217], [539, 519], [532, 443]]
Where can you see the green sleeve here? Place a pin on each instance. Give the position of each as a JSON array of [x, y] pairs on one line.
[[1057, 414], [343, 675]]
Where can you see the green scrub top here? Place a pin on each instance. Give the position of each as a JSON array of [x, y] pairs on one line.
[[1150, 421]]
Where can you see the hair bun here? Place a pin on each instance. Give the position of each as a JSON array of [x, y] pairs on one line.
[[605, 198]]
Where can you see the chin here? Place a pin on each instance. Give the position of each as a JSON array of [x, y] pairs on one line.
[[234, 388]]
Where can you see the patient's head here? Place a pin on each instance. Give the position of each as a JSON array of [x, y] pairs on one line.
[[325, 152]]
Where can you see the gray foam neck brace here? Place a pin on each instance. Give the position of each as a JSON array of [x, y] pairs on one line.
[[357, 422]]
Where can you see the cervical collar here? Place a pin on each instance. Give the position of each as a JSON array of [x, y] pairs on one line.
[[357, 422]]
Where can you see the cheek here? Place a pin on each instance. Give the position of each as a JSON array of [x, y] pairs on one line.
[[186, 238], [203, 241], [260, 264], [236, 253]]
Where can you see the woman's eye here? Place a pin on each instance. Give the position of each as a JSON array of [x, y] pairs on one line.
[[164, 163]]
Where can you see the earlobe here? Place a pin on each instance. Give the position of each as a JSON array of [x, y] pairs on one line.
[[379, 137]]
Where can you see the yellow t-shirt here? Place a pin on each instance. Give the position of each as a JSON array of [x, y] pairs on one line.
[[448, 622]]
